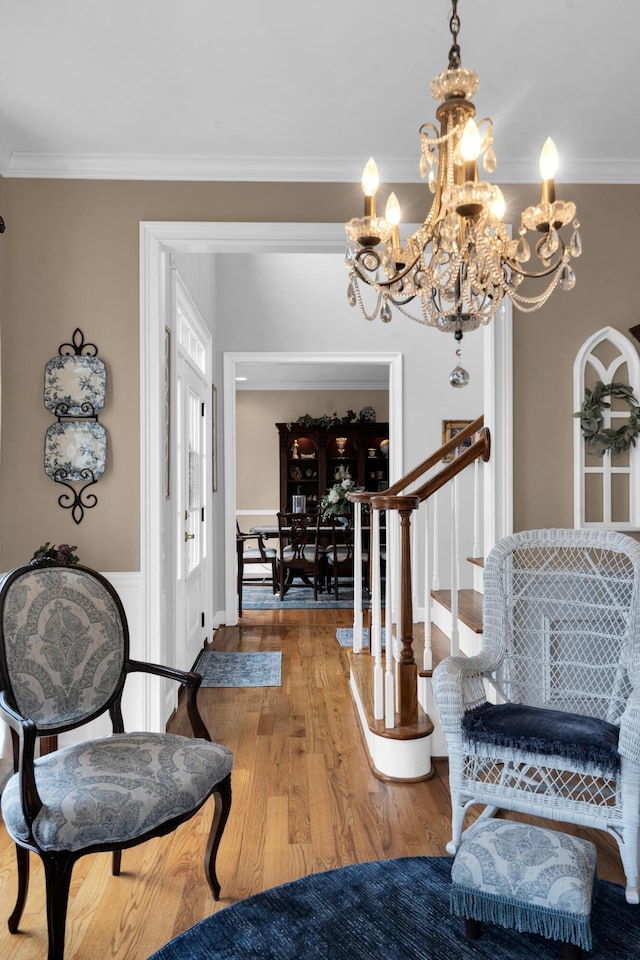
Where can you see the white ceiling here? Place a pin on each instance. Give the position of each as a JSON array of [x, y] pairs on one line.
[[312, 376], [301, 90]]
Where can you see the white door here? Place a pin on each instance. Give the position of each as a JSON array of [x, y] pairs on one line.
[[191, 499], [191, 506]]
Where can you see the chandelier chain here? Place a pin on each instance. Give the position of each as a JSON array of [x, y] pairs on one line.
[[454, 27]]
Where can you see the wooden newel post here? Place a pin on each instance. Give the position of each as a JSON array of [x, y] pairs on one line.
[[406, 667]]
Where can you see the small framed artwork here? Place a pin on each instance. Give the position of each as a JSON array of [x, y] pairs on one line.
[[450, 428], [214, 438]]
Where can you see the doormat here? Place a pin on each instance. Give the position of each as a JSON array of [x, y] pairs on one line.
[[344, 636], [220, 669]]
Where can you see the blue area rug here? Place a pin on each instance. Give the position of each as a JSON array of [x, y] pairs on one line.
[[344, 636], [220, 669], [384, 910], [261, 597]]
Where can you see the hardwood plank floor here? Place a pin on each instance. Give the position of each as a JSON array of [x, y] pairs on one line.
[[304, 800]]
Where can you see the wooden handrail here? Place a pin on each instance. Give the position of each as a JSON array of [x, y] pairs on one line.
[[481, 449], [436, 457]]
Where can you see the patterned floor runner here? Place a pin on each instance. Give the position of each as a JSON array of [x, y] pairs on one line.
[[220, 669]]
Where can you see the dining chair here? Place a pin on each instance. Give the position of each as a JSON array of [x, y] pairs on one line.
[[300, 551], [338, 556], [266, 556], [64, 660]]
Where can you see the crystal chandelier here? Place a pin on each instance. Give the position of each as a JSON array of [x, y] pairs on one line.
[[456, 269]]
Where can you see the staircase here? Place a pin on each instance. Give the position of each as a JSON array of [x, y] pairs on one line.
[[391, 685]]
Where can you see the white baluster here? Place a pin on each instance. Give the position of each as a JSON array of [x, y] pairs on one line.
[[397, 568], [357, 578], [389, 686], [476, 509], [376, 626], [455, 633], [436, 543], [428, 653]]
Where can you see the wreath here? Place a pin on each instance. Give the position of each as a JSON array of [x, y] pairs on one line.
[[601, 440]]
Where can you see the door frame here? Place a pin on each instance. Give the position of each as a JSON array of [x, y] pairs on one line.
[[393, 361], [157, 240]]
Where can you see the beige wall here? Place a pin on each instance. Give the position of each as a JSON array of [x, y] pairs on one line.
[[70, 258], [258, 442], [546, 343]]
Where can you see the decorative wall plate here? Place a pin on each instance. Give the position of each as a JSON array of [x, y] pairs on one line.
[[75, 386], [75, 450]]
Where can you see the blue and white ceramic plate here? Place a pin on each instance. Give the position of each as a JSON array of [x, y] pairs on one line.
[[75, 386], [73, 448]]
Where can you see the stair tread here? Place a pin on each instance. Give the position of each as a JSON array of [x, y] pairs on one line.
[[469, 606], [440, 646], [362, 672]]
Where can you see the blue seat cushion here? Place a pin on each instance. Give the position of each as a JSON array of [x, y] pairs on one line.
[[550, 732]]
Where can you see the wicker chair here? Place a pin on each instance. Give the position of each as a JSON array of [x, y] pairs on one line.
[[561, 658], [64, 659]]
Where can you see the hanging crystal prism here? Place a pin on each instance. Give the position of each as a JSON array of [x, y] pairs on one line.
[[523, 251], [351, 295], [490, 162], [385, 313], [567, 279], [549, 244], [575, 244], [459, 377]]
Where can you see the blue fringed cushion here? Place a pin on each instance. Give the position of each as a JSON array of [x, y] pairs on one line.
[[525, 878], [550, 732]]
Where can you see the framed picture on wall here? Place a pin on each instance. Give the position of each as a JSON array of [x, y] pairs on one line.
[[450, 428]]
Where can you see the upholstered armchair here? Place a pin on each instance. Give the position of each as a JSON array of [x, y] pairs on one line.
[[560, 660], [64, 659]]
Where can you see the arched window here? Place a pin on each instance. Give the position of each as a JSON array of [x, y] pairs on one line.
[[606, 488]]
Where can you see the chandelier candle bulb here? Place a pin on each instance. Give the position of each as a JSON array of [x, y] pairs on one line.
[[548, 170], [470, 144], [392, 216], [499, 206], [370, 182]]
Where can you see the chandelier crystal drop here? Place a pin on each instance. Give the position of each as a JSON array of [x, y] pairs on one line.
[[454, 272]]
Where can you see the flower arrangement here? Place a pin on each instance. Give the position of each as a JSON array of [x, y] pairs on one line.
[[62, 554], [335, 502]]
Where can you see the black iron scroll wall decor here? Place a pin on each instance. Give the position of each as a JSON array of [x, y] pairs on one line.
[[75, 447]]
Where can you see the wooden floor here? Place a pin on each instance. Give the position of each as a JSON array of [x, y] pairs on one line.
[[304, 800]]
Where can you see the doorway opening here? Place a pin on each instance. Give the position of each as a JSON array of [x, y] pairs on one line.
[[158, 240]]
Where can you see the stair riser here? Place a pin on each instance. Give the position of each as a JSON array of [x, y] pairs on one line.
[[470, 641]]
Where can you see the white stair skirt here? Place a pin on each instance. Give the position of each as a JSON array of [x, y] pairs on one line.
[[392, 758]]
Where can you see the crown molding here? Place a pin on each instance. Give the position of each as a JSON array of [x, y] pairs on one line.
[[75, 166]]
